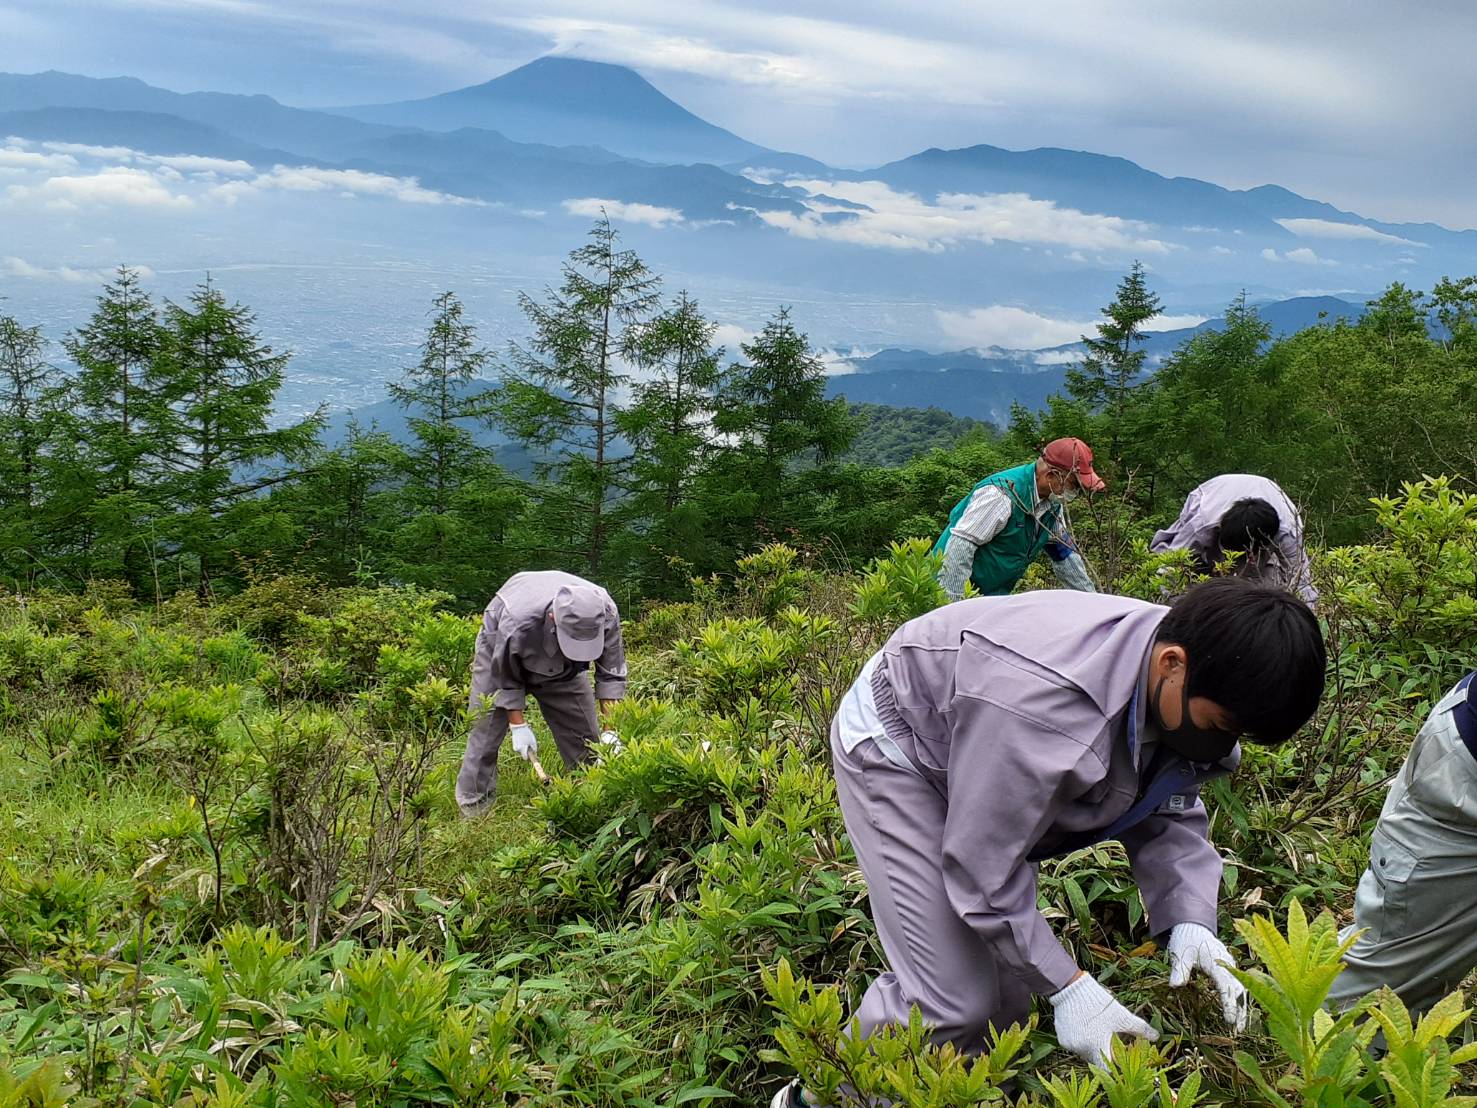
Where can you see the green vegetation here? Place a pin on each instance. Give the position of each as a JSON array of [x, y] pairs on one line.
[[234, 873], [888, 436], [235, 673]]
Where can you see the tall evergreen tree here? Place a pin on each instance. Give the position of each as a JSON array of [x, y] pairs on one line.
[[458, 503], [31, 400], [669, 426], [774, 403], [214, 434], [1111, 369], [561, 389], [772, 408], [116, 407], [436, 390]]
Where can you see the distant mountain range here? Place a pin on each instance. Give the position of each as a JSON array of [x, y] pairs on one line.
[[495, 182], [985, 385]]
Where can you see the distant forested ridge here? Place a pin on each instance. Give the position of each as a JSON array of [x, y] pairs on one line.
[[889, 436], [616, 439]]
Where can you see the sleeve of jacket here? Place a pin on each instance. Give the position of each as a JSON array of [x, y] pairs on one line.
[[1180, 534], [480, 699], [505, 676], [610, 667], [986, 515], [1177, 870], [1009, 775], [1295, 557]]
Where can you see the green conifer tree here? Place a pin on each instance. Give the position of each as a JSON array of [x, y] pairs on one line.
[[560, 391]]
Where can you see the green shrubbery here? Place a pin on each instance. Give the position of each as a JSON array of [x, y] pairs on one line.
[[234, 873]]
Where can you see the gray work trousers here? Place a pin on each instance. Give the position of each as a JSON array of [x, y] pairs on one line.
[[568, 707], [1417, 901], [895, 820]]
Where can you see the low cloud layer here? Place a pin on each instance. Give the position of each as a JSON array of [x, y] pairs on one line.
[[1011, 328], [347, 182], [23, 270], [871, 213], [64, 177], [1302, 255], [591, 207], [1352, 232]]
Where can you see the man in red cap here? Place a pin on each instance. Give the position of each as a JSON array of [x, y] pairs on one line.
[[996, 531]]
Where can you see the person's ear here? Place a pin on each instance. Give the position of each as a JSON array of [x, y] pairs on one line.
[[1171, 661]]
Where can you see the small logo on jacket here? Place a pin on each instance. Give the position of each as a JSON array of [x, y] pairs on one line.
[[1176, 803]]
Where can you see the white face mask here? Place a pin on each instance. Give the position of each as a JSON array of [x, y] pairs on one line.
[[1067, 495]]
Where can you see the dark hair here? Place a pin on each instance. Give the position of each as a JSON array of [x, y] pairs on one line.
[[1255, 650], [1249, 525]]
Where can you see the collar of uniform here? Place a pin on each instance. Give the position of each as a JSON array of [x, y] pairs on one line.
[[550, 639], [1141, 732], [1464, 715]]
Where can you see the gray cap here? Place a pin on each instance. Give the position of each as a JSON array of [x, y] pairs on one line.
[[579, 622]]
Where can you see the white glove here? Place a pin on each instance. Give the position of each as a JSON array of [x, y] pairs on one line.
[[524, 741], [1088, 1017], [1193, 947], [612, 740]]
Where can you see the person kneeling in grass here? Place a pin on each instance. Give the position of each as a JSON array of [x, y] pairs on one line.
[[995, 733], [1414, 906]]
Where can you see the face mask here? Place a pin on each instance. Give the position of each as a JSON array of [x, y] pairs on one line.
[[1198, 744], [1066, 495]]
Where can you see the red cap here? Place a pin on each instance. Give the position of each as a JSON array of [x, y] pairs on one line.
[[1074, 456]]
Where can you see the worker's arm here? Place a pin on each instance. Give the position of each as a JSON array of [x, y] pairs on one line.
[[610, 667], [1071, 570], [984, 518]]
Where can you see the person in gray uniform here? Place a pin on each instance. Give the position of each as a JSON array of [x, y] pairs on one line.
[[1416, 901], [1250, 517], [539, 635], [994, 733]]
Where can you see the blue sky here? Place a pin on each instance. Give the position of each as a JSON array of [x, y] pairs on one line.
[[1365, 105]]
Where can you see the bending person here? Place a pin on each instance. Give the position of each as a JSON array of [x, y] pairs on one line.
[[1415, 901], [539, 635], [1010, 517], [991, 734], [1246, 515]]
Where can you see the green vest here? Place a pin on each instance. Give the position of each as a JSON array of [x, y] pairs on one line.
[[1003, 561]]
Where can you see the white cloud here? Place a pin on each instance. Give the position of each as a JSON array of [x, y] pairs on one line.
[[13, 157], [87, 150], [180, 180], [1270, 255], [591, 207], [347, 182], [731, 336], [110, 187], [20, 268], [192, 164], [196, 163], [1302, 255], [1330, 229], [837, 364], [872, 214], [1013, 328], [1174, 322], [1221, 250], [1009, 328]]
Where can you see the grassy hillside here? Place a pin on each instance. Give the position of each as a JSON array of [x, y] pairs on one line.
[[234, 873]]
